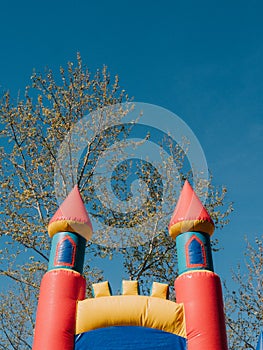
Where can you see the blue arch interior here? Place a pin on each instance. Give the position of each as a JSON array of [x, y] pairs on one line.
[[65, 252], [129, 338], [195, 253]]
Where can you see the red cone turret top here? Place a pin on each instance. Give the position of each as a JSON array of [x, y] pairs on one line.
[[71, 216], [190, 214]]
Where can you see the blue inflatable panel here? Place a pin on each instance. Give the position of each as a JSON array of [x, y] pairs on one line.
[[260, 342], [129, 338]]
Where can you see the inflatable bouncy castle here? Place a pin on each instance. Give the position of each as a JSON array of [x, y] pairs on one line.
[[66, 320]]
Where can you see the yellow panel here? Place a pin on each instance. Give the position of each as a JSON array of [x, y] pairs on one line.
[[130, 310], [191, 225], [101, 289], [71, 226], [129, 287], [159, 290]]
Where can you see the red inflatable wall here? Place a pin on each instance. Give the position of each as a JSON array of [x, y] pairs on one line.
[[55, 327], [201, 294]]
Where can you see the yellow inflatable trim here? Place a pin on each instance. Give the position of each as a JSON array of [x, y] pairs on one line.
[[130, 287], [191, 225], [130, 310], [101, 289], [81, 228], [160, 290]]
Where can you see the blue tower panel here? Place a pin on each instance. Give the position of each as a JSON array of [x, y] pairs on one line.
[[67, 251], [194, 252]]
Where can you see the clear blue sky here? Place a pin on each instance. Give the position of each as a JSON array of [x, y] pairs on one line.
[[203, 60]]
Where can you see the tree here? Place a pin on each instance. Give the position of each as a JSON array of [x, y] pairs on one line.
[[244, 303], [34, 128]]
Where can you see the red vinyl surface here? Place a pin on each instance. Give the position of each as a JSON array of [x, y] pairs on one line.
[[55, 326], [201, 293], [189, 207], [72, 208]]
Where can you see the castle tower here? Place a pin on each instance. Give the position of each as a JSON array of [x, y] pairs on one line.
[[63, 284], [197, 286]]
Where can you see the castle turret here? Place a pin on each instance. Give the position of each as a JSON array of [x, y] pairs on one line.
[[197, 286], [63, 284]]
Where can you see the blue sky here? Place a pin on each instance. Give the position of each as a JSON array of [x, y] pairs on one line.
[[203, 60]]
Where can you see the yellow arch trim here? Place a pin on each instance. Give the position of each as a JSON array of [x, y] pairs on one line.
[[130, 310]]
